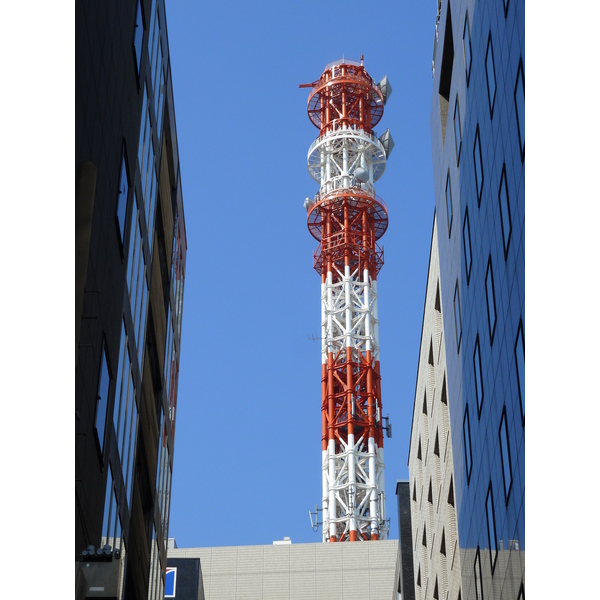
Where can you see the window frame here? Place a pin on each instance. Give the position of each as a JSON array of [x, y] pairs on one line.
[[467, 437], [489, 504], [121, 208], [478, 376], [469, 263], [505, 451], [457, 139], [449, 211], [478, 174], [518, 361], [520, 122], [505, 211], [467, 30], [457, 322], [477, 575], [102, 399], [137, 41], [489, 277], [490, 50]]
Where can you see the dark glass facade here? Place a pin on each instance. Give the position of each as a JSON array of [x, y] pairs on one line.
[[130, 254], [406, 576], [482, 268]]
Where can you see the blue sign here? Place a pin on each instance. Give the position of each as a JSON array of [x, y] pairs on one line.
[[170, 582]]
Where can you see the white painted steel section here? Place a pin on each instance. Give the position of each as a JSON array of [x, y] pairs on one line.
[[352, 496], [347, 315], [324, 323], [380, 479], [359, 500], [373, 507], [325, 499], [348, 306], [375, 319], [331, 524], [336, 154]]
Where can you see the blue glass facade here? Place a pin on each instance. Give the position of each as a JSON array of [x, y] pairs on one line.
[[479, 80]]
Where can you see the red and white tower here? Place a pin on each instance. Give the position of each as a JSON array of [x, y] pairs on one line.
[[347, 218]]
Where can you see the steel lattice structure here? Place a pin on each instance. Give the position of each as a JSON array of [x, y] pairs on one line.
[[347, 218]]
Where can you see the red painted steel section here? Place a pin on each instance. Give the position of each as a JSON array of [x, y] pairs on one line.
[[346, 95]]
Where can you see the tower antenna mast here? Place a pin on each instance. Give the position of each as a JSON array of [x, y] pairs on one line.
[[347, 218]]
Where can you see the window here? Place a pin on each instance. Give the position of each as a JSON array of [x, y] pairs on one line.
[[467, 443], [125, 414], [177, 279], [111, 522], [136, 279], [505, 219], [520, 364], [505, 455], [457, 130], [478, 377], [477, 572], [446, 73], [490, 74], [491, 527], [156, 67], [467, 244], [467, 48], [122, 196], [164, 480], [449, 202], [138, 37], [491, 299], [147, 160], [102, 398], [520, 107], [478, 162], [109, 509], [130, 440], [457, 317]]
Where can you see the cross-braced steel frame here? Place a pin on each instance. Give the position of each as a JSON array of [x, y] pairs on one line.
[[347, 218]]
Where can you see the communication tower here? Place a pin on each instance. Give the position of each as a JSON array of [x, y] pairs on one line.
[[347, 218]]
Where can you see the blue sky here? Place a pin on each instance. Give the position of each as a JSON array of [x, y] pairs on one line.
[[247, 446]]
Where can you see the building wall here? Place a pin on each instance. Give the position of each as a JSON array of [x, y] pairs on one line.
[[130, 264], [186, 581], [437, 561], [479, 157], [297, 571], [406, 578]]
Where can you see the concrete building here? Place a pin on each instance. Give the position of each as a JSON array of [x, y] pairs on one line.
[[286, 571], [130, 257], [437, 565], [478, 143]]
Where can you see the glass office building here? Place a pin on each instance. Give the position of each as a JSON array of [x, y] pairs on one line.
[[130, 264], [478, 144]]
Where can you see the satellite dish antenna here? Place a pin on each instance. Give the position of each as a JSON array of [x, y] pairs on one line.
[[308, 204], [361, 174]]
